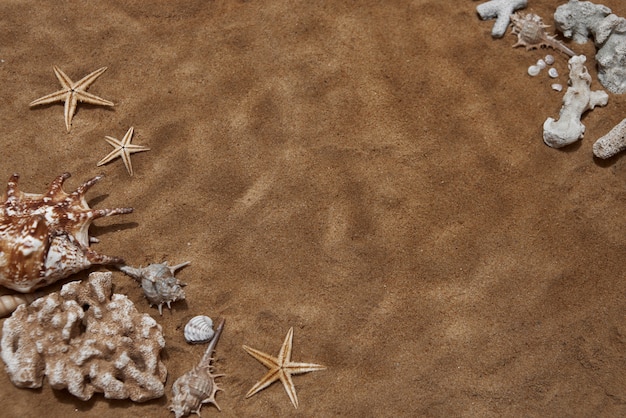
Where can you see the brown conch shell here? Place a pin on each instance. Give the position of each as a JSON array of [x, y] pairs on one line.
[[44, 237]]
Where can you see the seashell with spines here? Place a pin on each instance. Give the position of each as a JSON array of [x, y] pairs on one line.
[[199, 330], [158, 283], [531, 33], [197, 386], [44, 237]]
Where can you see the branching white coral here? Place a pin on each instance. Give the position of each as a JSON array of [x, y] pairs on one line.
[[501, 10], [88, 340], [577, 100]]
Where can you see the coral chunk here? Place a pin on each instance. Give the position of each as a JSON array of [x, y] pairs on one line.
[[501, 10], [88, 340], [577, 100], [612, 143]]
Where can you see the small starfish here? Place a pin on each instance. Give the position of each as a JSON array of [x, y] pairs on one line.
[[72, 93], [123, 149], [281, 368]]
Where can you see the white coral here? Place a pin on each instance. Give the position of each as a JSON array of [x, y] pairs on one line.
[[501, 10], [87, 340], [577, 100]]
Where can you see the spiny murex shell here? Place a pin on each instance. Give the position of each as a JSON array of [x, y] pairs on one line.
[[44, 237], [531, 33], [199, 329], [158, 283], [197, 386]]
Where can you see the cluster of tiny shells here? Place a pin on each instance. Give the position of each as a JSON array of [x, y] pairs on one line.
[[199, 330]]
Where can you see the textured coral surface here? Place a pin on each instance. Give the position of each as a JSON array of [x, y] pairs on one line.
[[88, 340]]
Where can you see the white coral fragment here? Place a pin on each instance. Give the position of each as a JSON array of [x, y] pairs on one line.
[[88, 340], [577, 100], [611, 143], [501, 10]]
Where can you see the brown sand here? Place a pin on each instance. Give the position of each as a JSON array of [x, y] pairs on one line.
[[371, 173]]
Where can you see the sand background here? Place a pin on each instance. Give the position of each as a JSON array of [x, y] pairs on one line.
[[370, 173]]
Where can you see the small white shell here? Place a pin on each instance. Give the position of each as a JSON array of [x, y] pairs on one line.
[[552, 72], [199, 329], [549, 59], [533, 70], [541, 64], [557, 87]]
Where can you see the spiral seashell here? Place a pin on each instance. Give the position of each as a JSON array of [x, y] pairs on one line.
[[158, 282], [9, 303], [534, 70], [199, 330]]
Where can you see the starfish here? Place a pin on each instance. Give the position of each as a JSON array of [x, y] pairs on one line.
[[123, 149], [281, 368], [72, 93]]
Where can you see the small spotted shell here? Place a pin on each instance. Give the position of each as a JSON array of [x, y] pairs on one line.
[[199, 329]]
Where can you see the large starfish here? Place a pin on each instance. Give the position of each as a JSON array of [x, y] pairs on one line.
[[72, 93], [281, 368], [123, 149]]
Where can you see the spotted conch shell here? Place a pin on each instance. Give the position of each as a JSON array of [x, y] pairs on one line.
[[44, 237], [158, 283]]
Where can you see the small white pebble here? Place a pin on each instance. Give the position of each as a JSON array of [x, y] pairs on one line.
[[533, 70], [552, 72], [541, 64], [557, 87], [549, 59]]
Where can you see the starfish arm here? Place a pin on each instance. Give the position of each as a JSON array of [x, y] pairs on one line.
[[114, 142], [110, 157], [86, 81], [65, 81], [266, 359], [269, 378], [69, 110], [128, 136], [299, 368], [86, 97], [57, 96], [136, 148], [126, 158], [285, 379], [284, 355]]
